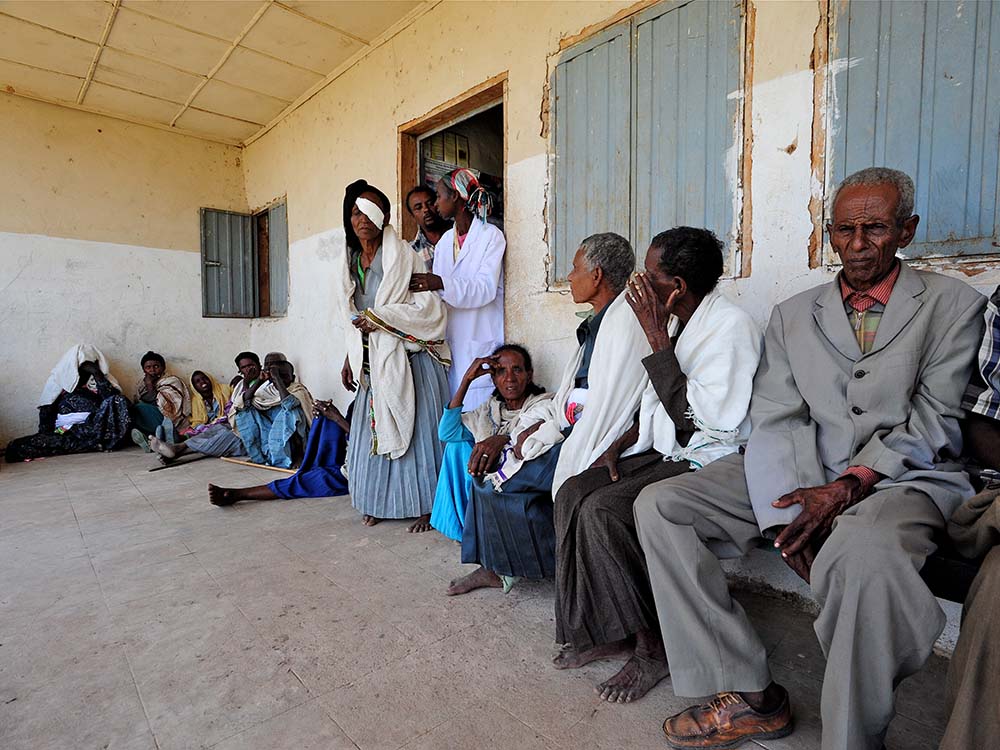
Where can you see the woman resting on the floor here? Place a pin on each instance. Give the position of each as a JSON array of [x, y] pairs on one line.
[[81, 410], [507, 524], [318, 476], [209, 405]]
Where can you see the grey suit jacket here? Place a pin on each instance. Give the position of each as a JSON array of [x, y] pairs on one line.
[[819, 405]]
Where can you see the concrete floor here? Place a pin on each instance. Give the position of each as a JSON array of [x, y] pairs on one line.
[[135, 615]]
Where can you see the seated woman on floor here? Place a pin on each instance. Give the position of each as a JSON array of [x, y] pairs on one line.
[[510, 532], [219, 437], [691, 355], [396, 348], [274, 429], [81, 409], [162, 403], [319, 475], [210, 404], [510, 368]]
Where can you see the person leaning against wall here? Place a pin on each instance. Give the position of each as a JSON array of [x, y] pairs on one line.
[[851, 469]]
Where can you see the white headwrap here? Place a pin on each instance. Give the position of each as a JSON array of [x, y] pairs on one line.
[[371, 210], [65, 376]]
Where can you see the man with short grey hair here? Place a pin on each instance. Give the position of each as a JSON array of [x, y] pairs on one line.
[[850, 471]]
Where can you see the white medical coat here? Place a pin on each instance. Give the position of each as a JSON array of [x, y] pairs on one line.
[[473, 292]]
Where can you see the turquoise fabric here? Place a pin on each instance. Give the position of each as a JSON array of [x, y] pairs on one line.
[[146, 417], [454, 483]]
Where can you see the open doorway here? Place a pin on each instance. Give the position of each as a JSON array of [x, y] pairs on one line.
[[476, 143], [467, 131]]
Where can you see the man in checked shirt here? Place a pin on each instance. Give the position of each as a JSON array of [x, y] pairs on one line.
[[974, 674]]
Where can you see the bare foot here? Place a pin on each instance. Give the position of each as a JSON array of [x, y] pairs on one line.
[[370, 520], [639, 675], [163, 448], [572, 658], [221, 496], [421, 524], [478, 579]]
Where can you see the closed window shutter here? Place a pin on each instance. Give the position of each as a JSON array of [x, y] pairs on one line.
[[277, 235], [916, 86], [228, 265], [592, 144], [687, 119]]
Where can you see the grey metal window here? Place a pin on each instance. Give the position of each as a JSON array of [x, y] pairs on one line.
[[244, 263], [915, 86], [648, 128]]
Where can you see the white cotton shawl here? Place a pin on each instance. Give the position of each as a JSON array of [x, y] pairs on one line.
[[718, 351], [406, 322], [494, 418], [65, 376], [616, 383]]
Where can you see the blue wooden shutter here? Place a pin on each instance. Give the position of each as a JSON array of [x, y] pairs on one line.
[[277, 254], [228, 265], [592, 142], [916, 87], [688, 134]]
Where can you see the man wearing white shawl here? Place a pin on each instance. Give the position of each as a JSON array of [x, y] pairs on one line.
[[508, 526], [397, 352], [683, 360]]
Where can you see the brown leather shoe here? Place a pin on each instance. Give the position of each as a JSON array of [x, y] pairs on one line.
[[727, 721]]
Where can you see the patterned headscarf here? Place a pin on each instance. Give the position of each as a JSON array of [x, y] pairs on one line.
[[477, 199]]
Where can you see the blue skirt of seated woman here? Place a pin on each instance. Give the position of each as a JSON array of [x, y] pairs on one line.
[[320, 473], [451, 497]]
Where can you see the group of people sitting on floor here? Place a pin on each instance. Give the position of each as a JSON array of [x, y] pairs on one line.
[[676, 436]]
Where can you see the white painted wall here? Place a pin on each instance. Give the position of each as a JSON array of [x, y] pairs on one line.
[[123, 299]]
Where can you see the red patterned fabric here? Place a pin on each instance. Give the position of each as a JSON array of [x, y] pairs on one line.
[[862, 301], [868, 477]]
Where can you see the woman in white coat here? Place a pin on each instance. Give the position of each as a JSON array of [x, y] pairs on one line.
[[468, 274]]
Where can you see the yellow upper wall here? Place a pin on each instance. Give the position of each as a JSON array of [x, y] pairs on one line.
[[348, 130], [76, 175]]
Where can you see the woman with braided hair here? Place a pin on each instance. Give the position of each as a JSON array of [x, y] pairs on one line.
[[468, 275]]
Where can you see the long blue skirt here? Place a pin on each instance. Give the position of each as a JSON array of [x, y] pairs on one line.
[[511, 532], [403, 487], [319, 475], [454, 486]]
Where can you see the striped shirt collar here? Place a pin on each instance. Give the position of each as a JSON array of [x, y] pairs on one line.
[[879, 293]]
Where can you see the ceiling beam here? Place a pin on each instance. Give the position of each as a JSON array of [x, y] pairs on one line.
[[342, 32], [112, 16], [222, 61], [125, 118], [385, 36]]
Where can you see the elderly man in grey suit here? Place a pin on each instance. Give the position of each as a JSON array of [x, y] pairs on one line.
[[850, 471]]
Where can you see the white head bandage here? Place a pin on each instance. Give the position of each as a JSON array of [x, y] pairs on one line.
[[371, 210]]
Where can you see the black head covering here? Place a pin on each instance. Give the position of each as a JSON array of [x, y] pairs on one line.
[[354, 190], [154, 357]]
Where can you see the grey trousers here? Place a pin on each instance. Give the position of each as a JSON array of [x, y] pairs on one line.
[[878, 622]]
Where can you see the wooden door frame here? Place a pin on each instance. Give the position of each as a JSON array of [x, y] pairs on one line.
[[408, 166]]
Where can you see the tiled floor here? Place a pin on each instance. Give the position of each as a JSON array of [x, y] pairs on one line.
[[135, 615]]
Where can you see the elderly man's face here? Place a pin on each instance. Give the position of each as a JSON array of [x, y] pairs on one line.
[[584, 281], [865, 234]]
